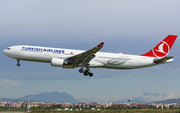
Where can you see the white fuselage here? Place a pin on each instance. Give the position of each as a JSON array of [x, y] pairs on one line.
[[101, 59]]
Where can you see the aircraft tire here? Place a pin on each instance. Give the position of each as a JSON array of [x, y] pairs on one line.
[[90, 74], [81, 70], [18, 64], [86, 72]]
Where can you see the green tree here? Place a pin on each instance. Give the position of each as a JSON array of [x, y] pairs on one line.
[[102, 108], [159, 107], [51, 107], [127, 107], [135, 107], [122, 107], [108, 108], [170, 107], [33, 107], [70, 107], [164, 107], [155, 107], [150, 107], [5, 108], [114, 108], [131, 107]]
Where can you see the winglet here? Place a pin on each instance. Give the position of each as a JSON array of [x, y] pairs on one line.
[[101, 44]]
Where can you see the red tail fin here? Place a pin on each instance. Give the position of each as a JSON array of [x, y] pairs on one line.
[[163, 48]]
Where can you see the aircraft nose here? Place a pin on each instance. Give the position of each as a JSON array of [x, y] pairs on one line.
[[4, 52], [7, 52]]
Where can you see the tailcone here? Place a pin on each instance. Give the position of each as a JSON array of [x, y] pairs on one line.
[[170, 60]]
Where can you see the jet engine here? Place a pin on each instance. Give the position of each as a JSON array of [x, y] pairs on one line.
[[57, 62]]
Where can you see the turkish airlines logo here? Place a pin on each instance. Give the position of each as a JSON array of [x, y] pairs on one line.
[[161, 50]]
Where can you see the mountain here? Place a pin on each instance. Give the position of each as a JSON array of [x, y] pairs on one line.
[[168, 101], [139, 101], [134, 100], [9, 100], [55, 97]]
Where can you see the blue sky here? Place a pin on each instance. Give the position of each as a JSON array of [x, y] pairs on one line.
[[133, 27]]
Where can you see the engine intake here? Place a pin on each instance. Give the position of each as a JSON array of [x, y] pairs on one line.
[[57, 62]]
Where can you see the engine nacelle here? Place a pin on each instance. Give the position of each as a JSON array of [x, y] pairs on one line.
[[57, 62], [95, 64]]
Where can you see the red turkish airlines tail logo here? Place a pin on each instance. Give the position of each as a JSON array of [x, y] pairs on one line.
[[163, 48]]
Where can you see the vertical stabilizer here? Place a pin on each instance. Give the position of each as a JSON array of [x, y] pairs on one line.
[[163, 48]]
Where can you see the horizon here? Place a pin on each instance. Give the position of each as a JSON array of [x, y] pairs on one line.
[[131, 27], [138, 101]]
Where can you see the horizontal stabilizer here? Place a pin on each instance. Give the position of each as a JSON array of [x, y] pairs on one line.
[[157, 60]]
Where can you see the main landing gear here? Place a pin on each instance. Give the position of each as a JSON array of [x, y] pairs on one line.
[[18, 64], [86, 72]]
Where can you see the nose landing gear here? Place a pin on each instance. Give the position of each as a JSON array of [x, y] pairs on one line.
[[86, 72], [18, 64]]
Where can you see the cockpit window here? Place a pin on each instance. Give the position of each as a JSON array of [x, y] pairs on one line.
[[8, 48]]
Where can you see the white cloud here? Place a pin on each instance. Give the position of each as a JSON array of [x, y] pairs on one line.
[[7, 83], [158, 96], [152, 97], [129, 26]]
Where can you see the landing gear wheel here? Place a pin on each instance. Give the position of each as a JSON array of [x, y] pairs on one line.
[[81, 70], [90, 74], [86, 72], [18, 64]]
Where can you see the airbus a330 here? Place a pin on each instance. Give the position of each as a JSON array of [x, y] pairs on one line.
[[71, 58]]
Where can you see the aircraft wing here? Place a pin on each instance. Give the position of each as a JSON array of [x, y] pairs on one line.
[[156, 60], [83, 59]]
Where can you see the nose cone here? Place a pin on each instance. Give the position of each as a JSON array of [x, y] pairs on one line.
[[8, 52], [4, 52]]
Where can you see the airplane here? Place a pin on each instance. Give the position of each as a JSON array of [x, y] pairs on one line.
[[71, 58]]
